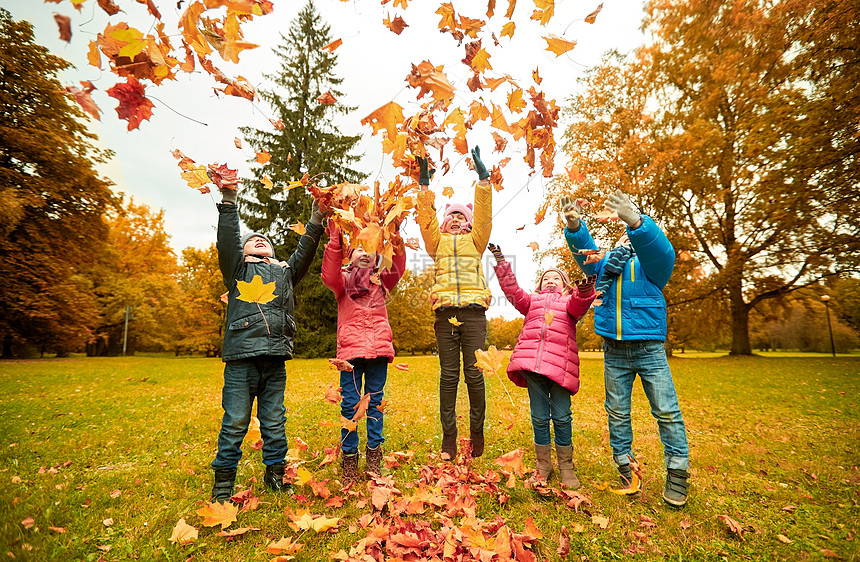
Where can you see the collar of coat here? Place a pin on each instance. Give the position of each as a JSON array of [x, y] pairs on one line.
[[263, 259]]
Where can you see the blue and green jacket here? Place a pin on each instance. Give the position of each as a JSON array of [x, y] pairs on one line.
[[634, 307]]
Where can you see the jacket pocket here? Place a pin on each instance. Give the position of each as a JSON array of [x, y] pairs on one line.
[[246, 322], [647, 312]]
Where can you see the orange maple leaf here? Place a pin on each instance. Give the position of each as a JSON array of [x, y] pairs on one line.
[[508, 29], [512, 460], [515, 101], [284, 546], [327, 98], [558, 45], [263, 157], [341, 365], [332, 46], [489, 361], [216, 513], [298, 228], [183, 533], [397, 25], [448, 191], [533, 245], [361, 407], [453, 320], [133, 105], [481, 61], [590, 18], [386, 117], [333, 394]]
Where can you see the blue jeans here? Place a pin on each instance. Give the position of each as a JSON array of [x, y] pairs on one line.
[[549, 400], [622, 362], [263, 378], [374, 372]]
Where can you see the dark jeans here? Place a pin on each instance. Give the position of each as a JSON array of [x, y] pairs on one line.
[[549, 400], [263, 378], [452, 341], [374, 372]]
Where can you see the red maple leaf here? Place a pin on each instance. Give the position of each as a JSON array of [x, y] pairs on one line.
[[223, 177], [133, 105]]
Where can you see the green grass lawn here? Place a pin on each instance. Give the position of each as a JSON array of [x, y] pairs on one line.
[[107, 455]]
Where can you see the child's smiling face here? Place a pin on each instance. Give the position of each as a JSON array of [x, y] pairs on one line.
[[360, 258], [552, 279], [456, 220], [258, 246]]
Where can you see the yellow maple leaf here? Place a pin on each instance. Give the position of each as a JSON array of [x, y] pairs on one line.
[[183, 533], [386, 117], [323, 523], [548, 317], [448, 191], [298, 228], [348, 424], [508, 29], [533, 245], [453, 320], [558, 45], [448, 20], [515, 101], [196, 177], [94, 56], [133, 39], [216, 513], [304, 476], [489, 361], [481, 61], [267, 183], [256, 291], [253, 430]]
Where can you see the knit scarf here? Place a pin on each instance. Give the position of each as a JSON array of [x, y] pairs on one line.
[[616, 259], [358, 281], [272, 261]]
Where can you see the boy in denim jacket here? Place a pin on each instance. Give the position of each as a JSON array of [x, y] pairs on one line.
[[257, 340]]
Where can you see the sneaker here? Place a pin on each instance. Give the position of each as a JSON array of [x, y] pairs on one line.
[[677, 485]]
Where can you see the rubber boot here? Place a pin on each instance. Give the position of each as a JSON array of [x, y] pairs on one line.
[[566, 468], [349, 465], [374, 460], [477, 444], [222, 489], [543, 466], [449, 444], [274, 478]]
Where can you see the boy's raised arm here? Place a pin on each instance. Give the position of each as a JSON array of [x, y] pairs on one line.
[[301, 259], [230, 257]]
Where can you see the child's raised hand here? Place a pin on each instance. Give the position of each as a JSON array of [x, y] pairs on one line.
[[480, 168], [620, 204], [585, 286], [229, 195], [497, 252], [424, 173], [571, 212], [317, 216]]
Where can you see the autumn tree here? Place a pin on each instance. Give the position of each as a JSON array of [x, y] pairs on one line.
[[715, 129], [308, 142], [410, 314], [138, 269], [202, 323], [52, 200], [503, 333]]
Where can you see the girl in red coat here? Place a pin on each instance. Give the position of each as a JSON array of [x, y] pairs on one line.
[[546, 359], [363, 338]]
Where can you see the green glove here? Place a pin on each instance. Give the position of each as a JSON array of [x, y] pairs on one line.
[[497, 252], [425, 174], [479, 166]]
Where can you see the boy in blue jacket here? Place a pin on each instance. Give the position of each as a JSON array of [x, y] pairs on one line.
[[257, 340], [632, 321]]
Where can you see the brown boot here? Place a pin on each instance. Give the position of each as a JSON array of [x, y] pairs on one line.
[[477, 444], [566, 468], [449, 444], [349, 465], [374, 460], [543, 466]]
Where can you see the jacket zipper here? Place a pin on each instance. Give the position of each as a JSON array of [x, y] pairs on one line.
[[618, 305], [456, 270], [542, 332]]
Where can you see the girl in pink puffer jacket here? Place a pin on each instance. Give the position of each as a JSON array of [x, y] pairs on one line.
[[546, 359], [364, 339]]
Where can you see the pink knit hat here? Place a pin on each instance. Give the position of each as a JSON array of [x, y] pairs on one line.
[[465, 210]]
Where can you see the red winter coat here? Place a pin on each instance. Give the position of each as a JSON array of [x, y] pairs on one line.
[[546, 345], [363, 330]]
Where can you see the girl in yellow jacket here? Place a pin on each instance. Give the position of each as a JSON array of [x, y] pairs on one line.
[[460, 297]]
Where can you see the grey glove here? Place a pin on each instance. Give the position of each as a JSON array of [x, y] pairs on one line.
[[620, 204], [316, 215], [479, 165], [229, 195], [571, 213]]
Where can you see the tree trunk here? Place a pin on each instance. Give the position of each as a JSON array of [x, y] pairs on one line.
[[7, 347], [740, 319]]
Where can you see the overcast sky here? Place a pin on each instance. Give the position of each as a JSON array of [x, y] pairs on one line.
[[373, 62]]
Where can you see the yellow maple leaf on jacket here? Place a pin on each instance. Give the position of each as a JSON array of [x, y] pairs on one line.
[[256, 291]]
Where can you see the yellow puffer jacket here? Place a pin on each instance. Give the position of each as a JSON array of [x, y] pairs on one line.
[[460, 278]]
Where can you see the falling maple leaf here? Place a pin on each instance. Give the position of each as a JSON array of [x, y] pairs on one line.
[[267, 183], [575, 175], [448, 191], [256, 291], [606, 215], [508, 29], [332, 46], [223, 177], [341, 364], [133, 105], [216, 513], [489, 361], [512, 460], [558, 45], [411, 243], [327, 99], [332, 394], [536, 77], [298, 228], [348, 424], [263, 157], [590, 18], [278, 124], [542, 212], [533, 245], [237, 142], [453, 320], [397, 25], [196, 177], [361, 407], [108, 6], [253, 433], [84, 99], [386, 117], [64, 23], [183, 533]]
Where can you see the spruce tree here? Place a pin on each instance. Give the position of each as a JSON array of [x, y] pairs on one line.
[[309, 142]]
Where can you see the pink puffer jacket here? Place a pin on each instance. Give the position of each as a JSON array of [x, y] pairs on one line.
[[547, 344], [363, 330]]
